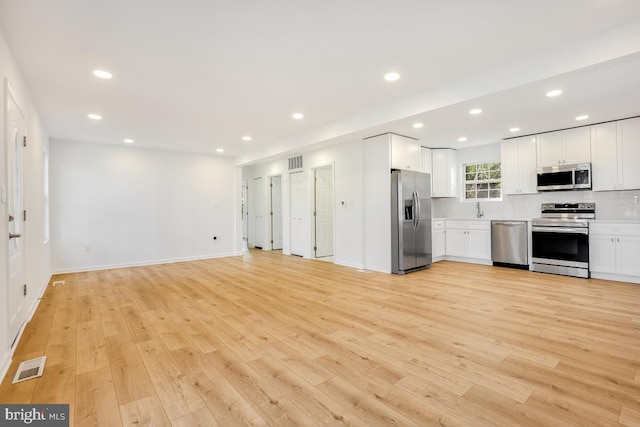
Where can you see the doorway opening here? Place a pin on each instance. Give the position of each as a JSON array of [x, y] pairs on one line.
[[276, 211], [258, 213]]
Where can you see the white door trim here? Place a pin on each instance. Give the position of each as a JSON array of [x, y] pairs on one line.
[[15, 309]]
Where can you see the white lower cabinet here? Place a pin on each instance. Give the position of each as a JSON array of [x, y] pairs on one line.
[[470, 240], [438, 239], [614, 251]]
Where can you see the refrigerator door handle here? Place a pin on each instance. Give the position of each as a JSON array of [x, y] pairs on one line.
[[416, 203], [419, 209]]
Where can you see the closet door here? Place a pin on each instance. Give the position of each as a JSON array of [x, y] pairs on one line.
[[297, 213]]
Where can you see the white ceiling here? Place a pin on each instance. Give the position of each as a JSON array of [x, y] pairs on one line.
[[197, 75]]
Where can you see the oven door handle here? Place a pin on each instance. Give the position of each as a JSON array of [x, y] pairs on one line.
[[560, 230]]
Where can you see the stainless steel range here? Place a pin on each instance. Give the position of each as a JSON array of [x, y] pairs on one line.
[[560, 239]]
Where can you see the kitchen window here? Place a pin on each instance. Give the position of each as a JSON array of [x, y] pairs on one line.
[[482, 181]]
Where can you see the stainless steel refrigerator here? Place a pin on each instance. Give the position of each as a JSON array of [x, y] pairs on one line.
[[410, 221]]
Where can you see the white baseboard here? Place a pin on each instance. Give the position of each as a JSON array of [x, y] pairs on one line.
[[5, 363], [141, 263], [36, 302], [348, 264], [615, 277], [468, 260], [7, 358]]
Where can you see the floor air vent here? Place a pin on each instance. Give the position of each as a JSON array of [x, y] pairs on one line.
[[30, 369], [58, 283]]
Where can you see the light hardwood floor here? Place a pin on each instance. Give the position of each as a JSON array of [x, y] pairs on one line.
[[276, 340]]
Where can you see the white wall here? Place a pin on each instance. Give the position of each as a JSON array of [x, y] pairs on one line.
[[37, 252], [376, 190], [117, 206], [346, 159]]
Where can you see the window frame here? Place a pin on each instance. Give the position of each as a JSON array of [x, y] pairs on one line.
[[482, 164]]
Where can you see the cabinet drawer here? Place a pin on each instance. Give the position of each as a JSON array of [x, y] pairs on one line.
[[479, 225], [438, 225], [614, 229], [456, 224]]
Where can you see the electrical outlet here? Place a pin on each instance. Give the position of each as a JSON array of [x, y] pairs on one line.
[[636, 199]]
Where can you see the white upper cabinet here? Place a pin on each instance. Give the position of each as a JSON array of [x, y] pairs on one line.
[[519, 165], [549, 149], [615, 148], [604, 148], [576, 144], [405, 153], [564, 147], [444, 177], [427, 166], [629, 153]]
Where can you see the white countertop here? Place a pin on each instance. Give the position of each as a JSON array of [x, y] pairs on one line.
[[599, 220], [616, 221], [481, 219]]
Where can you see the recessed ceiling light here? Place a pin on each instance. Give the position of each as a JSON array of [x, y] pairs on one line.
[[418, 125], [391, 77], [219, 150], [297, 116], [246, 138], [583, 117], [95, 116], [128, 140], [553, 93], [514, 129], [102, 74], [462, 139], [475, 111]]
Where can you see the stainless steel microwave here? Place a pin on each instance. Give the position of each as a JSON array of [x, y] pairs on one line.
[[564, 177]]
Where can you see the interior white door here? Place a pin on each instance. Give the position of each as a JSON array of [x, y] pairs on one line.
[[276, 212], [324, 212], [258, 213], [297, 213], [15, 136], [244, 194]]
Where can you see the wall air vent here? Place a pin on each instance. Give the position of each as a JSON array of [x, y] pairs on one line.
[[295, 162]]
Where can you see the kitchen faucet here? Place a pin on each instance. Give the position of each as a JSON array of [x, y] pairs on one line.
[[479, 213]]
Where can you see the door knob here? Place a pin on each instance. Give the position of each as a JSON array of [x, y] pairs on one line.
[[14, 236]]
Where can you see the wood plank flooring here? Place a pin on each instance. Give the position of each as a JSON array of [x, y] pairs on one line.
[[272, 340]]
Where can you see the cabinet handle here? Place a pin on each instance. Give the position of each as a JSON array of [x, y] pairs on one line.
[[612, 239], [618, 239]]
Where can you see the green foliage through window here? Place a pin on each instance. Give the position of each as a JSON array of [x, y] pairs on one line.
[[482, 181]]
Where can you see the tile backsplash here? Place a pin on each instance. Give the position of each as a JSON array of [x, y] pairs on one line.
[[614, 205]]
